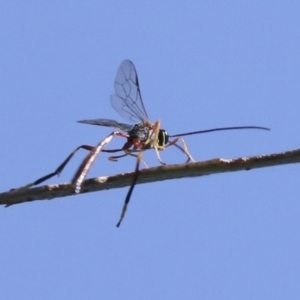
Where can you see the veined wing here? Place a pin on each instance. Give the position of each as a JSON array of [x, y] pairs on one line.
[[107, 123], [127, 100]]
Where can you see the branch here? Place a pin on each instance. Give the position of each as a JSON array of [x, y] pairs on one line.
[[167, 172]]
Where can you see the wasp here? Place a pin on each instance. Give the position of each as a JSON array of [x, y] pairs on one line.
[[141, 136]]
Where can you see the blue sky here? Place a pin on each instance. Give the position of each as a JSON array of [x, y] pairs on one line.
[[201, 64]]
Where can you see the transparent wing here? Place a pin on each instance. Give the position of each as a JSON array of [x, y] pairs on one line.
[[107, 123], [128, 100]]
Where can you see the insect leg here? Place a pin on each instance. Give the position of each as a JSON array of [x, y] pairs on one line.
[[89, 160], [128, 152], [184, 149], [136, 155], [115, 158], [125, 148], [127, 199], [158, 155], [58, 170], [180, 148]]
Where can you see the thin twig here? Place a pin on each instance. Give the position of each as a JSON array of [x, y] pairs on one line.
[[167, 172]]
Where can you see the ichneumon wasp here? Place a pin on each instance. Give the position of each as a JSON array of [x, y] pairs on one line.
[[144, 135]]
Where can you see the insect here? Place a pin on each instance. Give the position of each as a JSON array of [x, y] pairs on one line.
[[141, 136]]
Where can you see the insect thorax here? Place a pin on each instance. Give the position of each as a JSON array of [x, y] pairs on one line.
[[143, 132], [140, 131]]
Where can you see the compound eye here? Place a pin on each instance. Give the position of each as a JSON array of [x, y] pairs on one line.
[[163, 137]]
